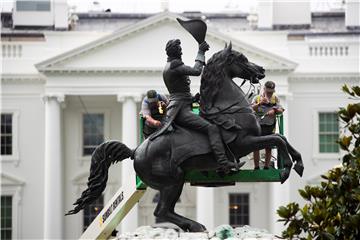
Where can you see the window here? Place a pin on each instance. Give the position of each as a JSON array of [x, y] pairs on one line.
[[6, 134], [93, 132], [41, 6], [328, 132], [92, 210], [239, 209], [6, 217]]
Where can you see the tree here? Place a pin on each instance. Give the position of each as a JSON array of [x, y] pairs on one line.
[[332, 209]]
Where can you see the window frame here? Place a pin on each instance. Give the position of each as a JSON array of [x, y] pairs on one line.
[[106, 113], [91, 133], [14, 157], [317, 155], [249, 205], [83, 212], [79, 184], [11, 213], [11, 186]]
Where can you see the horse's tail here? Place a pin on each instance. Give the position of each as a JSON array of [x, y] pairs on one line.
[[101, 159]]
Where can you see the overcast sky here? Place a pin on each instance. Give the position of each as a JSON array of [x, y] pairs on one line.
[[153, 6]]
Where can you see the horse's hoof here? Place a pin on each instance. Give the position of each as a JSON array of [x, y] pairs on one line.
[[299, 168], [197, 227], [284, 175], [240, 165]]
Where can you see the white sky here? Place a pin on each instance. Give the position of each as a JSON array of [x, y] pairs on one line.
[[153, 6]]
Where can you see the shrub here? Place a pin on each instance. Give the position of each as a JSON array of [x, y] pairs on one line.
[[332, 209]]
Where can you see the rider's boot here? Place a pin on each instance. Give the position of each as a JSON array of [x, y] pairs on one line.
[[218, 149]]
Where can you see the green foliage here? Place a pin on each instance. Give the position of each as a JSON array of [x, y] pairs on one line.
[[332, 210]]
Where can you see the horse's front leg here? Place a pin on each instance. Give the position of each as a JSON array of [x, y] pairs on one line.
[[254, 143]]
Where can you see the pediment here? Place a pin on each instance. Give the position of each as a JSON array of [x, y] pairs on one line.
[[9, 180], [141, 47]]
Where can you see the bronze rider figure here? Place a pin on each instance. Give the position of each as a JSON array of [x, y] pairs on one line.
[[176, 77]]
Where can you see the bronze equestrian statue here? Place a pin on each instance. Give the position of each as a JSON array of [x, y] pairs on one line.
[[186, 142]]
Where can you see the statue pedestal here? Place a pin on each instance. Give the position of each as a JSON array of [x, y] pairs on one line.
[[169, 231]]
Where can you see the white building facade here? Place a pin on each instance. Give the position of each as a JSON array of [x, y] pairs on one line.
[[64, 92]]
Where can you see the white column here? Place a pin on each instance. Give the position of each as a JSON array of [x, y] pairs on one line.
[[205, 207], [129, 137], [280, 193], [53, 202], [279, 196]]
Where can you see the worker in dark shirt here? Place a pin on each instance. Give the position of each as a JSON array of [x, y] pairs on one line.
[[153, 110]]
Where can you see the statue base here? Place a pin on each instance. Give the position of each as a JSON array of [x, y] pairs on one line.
[[171, 231]]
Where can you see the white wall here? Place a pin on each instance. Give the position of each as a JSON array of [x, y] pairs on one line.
[[291, 12], [26, 100], [258, 199], [76, 166], [352, 13], [309, 97], [30, 52]]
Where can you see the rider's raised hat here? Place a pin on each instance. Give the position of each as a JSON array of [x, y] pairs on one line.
[[270, 86]]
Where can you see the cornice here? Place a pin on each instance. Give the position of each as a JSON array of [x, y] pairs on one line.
[[67, 70], [324, 76], [22, 79]]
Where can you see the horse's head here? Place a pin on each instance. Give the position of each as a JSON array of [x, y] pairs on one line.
[[237, 65], [222, 67]]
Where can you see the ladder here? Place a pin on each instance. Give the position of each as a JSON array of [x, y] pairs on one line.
[[114, 211]]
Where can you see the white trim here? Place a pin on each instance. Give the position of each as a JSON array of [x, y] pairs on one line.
[[23, 79], [14, 157], [316, 152], [107, 116], [11, 186]]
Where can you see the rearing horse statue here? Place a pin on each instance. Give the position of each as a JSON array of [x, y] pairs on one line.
[[223, 103]]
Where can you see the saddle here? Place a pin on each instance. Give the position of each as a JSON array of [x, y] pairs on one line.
[[178, 144], [181, 144]]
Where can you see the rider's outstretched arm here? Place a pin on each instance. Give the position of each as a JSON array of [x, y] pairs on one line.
[[199, 63], [190, 71]]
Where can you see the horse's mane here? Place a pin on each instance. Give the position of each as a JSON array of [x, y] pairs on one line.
[[213, 75]]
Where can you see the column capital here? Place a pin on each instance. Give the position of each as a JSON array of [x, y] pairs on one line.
[[123, 97], [60, 98]]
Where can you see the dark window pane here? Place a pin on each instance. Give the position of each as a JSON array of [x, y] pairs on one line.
[[92, 210], [8, 150], [8, 129], [239, 209], [93, 132], [88, 151], [8, 119], [328, 132], [6, 217], [6, 134]]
